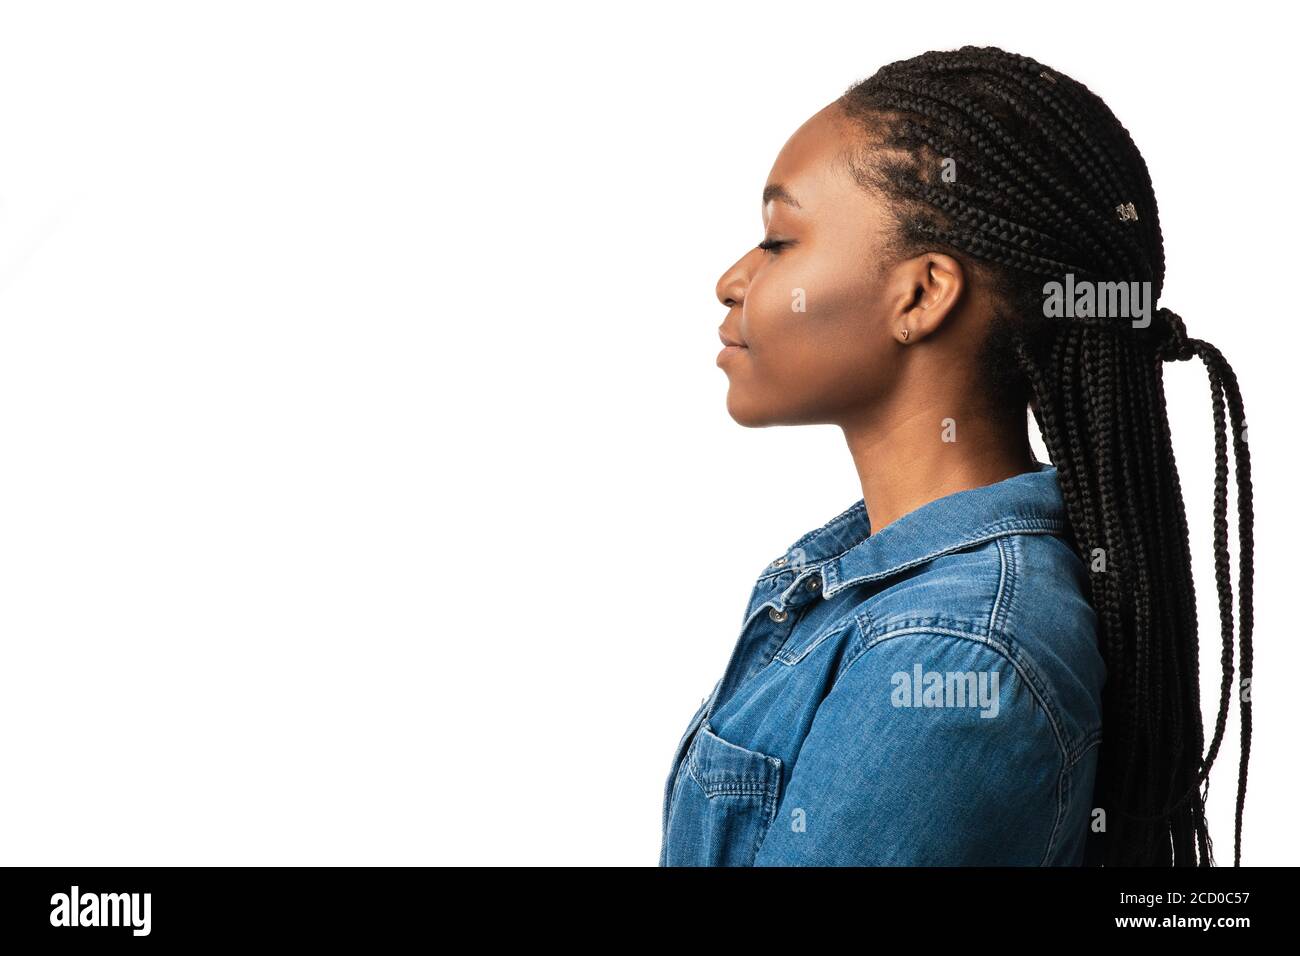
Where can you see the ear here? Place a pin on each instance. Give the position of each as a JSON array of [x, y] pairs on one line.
[[929, 288]]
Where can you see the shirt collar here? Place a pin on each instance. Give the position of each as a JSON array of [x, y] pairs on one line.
[[847, 553]]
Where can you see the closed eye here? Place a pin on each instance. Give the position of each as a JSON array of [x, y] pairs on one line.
[[772, 245]]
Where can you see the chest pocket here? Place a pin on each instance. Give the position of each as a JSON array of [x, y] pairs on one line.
[[723, 802]]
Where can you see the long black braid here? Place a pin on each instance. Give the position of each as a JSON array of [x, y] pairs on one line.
[[1025, 175]]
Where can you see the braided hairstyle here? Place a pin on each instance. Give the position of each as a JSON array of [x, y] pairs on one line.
[[1048, 183]]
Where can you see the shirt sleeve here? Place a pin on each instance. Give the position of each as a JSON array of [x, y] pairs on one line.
[[930, 750]]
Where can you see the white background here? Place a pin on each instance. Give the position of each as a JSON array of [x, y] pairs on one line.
[[367, 493]]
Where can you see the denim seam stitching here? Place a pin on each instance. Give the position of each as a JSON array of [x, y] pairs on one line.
[[984, 536], [838, 627], [770, 805], [1061, 777], [746, 787], [1067, 773], [1008, 551], [840, 519], [1007, 555], [866, 627], [1092, 740], [737, 789], [1006, 585], [673, 805], [812, 565]]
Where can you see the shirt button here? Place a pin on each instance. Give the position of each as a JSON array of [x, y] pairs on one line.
[[776, 615], [779, 562], [813, 584]]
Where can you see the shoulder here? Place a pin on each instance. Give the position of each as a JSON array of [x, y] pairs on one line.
[[931, 749], [1019, 598]]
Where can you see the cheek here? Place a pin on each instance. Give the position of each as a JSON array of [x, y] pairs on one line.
[[806, 319], [770, 309]]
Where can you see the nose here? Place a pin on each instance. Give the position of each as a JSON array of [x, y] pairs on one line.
[[731, 287]]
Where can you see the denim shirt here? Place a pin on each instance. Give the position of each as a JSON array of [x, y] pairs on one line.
[[929, 695]]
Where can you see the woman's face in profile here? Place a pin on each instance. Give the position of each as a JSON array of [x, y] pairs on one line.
[[812, 310]]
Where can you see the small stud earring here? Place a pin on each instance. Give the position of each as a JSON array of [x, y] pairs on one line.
[[904, 333]]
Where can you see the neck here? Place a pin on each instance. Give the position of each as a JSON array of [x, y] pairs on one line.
[[907, 462]]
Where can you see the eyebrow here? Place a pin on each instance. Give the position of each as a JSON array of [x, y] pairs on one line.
[[778, 191]]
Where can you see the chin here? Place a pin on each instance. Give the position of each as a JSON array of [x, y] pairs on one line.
[[764, 414], [747, 414]]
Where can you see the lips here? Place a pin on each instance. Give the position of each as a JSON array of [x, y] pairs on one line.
[[730, 341], [730, 346]]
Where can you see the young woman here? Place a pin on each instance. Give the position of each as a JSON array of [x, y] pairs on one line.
[[988, 659]]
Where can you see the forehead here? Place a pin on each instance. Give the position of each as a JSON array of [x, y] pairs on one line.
[[811, 166]]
